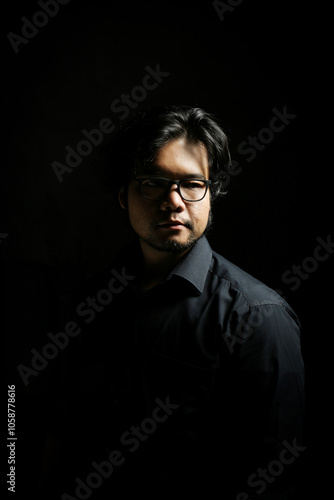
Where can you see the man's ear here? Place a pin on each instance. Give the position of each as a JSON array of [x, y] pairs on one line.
[[122, 198]]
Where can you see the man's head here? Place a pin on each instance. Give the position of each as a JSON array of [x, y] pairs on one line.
[[176, 143]]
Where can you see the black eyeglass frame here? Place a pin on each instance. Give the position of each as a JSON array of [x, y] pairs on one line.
[[171, 182]]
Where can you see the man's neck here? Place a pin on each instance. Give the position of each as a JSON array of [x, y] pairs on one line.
[[157, 264]]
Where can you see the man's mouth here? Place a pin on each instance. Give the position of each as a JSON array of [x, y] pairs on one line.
[[174, 224]]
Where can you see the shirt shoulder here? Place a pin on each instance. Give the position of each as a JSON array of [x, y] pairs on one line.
[[249, 291], [259, 319]]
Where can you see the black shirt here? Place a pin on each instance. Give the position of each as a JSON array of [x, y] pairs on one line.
[[196, 385]]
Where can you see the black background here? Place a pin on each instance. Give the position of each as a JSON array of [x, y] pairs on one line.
[[263, 55]]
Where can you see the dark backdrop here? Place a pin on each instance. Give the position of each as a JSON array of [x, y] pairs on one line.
[[263, 55]]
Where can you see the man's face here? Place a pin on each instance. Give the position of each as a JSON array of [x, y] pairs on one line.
[[171, 224]]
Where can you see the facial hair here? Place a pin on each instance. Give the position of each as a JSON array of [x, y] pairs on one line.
[[175, 246]]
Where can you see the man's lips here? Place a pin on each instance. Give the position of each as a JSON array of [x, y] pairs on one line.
[[173, 224]]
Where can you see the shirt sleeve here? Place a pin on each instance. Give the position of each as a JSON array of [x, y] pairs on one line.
[[263, 375]]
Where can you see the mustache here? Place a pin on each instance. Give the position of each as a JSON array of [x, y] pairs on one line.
[[188, 224]]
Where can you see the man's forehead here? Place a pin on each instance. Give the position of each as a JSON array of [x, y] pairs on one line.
[[156, 171], [180, 156]]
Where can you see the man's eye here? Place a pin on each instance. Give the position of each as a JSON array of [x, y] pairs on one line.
[[193, 185], [155, 184]]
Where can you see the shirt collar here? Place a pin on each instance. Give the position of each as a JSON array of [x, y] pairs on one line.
[[195, 265]]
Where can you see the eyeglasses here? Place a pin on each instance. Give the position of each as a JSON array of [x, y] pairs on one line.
[[157, 188]]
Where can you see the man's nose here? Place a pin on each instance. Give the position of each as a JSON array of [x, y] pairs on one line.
[[172, 200]]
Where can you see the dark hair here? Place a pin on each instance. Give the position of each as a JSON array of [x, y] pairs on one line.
[[139, 141]]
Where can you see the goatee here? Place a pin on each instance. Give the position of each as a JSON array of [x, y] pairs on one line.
[[175, 246]]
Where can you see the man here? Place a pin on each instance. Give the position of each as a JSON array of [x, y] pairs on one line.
[[188, 377]]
